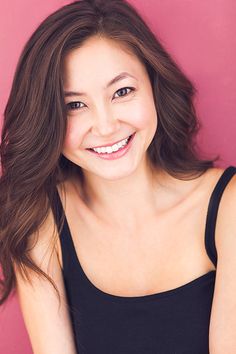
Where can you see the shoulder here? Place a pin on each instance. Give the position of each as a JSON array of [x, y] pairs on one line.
[[217, 177], [210, 178], [42, 244], [38, 300], [226, 220], [223, 316]]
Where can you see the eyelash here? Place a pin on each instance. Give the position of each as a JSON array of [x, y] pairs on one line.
[[68, 105]]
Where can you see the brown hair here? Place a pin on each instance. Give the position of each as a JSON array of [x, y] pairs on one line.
[[35, 120]]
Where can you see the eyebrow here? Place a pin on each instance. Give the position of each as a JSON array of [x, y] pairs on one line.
[[119, 77]]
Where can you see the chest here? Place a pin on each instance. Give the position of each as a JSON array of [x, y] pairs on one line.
[[160, 254]]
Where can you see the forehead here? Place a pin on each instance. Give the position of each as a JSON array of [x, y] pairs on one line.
[[99, 58]]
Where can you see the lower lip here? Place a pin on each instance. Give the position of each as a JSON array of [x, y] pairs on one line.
[[116, 154]]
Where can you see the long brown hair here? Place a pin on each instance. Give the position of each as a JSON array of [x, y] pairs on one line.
[[35, 120]]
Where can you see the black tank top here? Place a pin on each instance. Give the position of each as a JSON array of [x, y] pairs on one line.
[[170, 322]]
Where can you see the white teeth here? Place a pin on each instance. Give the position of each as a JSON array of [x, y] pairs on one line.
[[110, 149]]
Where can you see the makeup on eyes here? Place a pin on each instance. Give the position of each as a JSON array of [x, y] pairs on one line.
[[69, 104]]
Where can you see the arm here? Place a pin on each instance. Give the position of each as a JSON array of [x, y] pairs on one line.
[[48, 325], [222, 336]]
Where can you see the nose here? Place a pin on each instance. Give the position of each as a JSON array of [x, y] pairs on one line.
[[104, 122]]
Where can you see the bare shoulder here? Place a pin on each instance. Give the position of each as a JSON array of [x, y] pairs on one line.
[[223, 315], [211, 177], [38, 299], [226, 219], [227, 203], [208, 181]]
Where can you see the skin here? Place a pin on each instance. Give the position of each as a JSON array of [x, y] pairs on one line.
[[126, 217], [119, 195], [135, 232], [104, 117]]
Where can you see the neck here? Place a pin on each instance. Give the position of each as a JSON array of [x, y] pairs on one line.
[[123, 202]]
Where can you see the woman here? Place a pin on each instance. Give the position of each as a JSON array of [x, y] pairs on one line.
[[103, 195]]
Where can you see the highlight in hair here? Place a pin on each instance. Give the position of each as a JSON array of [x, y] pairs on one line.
[[35, 120]]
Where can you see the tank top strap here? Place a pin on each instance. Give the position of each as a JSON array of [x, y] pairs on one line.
[[212, 212], [68, 252]]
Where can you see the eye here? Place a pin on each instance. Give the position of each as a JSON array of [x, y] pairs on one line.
[[73, 105], [123, 90]]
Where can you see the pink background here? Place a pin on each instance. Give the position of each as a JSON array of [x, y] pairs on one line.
[[200, 35]]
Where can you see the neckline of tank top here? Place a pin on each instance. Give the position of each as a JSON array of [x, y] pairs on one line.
[[207, 277]]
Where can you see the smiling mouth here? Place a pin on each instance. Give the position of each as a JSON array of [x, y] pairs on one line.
[[109, 150], [116, 146]]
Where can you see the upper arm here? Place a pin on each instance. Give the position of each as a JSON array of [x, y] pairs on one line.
[[222, 335], [48, 324]]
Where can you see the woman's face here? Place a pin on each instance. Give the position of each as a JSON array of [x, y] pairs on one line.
[[101, 112]]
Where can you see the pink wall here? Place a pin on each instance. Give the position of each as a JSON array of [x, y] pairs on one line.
[[201, 37]]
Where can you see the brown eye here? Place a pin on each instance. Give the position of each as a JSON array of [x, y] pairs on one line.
[[123, 91], [73, 105]]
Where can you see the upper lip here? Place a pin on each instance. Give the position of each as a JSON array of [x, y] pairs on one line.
[[110, 144]]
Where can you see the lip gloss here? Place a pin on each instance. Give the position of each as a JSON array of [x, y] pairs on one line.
[[116, 154]]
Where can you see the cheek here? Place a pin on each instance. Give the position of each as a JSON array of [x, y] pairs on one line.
[[144, 114], [73, 136]]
